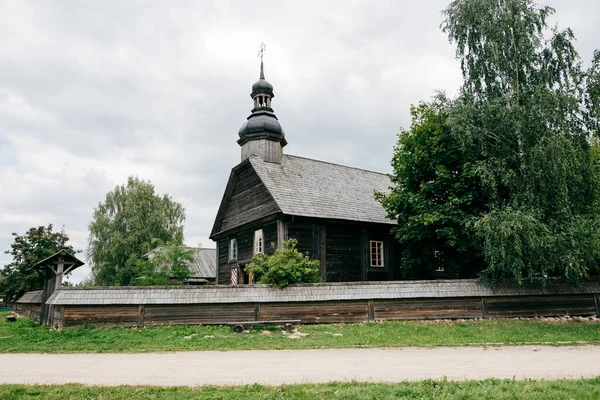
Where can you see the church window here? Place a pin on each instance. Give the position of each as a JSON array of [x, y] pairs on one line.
[[233, 249], [376, 253], [258, 242]]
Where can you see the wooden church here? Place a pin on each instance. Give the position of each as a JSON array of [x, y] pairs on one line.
[[330, 209]]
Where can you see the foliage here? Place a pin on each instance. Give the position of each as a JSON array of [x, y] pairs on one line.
[[529, 109], [35, 245], [167, 262], [434, 194], [25, 336], [284, 267], [123, 228], [427, 389]]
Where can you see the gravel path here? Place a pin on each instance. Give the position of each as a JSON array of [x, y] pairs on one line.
[[275, 367]]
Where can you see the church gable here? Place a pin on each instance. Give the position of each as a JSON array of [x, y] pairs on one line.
[[246, 199]]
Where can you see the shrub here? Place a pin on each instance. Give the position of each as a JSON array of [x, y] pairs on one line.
[[284, 267]]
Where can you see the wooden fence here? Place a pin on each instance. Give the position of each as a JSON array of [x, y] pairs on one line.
[[319, 303]]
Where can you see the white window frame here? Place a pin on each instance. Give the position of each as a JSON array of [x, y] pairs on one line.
[[233, 250], [259, 242], [376, 254]]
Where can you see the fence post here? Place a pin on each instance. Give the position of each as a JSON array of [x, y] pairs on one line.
[[141, 313], [484, 308], [371, 311], [597, 301], [61, 317], [257, 311]]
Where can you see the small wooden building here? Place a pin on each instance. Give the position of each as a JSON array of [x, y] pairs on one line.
[[203, 268], [330, 209]]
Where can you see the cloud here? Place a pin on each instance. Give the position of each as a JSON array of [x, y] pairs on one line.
[[92, 92]]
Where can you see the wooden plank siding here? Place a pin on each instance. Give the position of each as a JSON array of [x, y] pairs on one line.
[[443, 308], [532, 306], [316, 312], [250, 200], [101, 315], [195, 314], [245, 243], [344, 255]]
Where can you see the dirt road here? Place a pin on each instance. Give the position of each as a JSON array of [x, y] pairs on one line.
[[301, 366]]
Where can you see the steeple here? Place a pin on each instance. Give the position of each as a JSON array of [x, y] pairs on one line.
[[262, 134]]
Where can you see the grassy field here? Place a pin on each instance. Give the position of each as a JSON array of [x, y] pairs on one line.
[[24, 336], [488, 389]]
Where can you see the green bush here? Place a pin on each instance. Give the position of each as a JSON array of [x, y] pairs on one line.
[[284, 267]]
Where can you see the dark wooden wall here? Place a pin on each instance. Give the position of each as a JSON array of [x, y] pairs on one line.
[[363, 310], [343, 248], [31, 310], [250, 200], [245, 243]]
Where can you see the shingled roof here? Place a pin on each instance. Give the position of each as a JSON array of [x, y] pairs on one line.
[[307, 292], [312, 188], [33, 297], [204, 264]]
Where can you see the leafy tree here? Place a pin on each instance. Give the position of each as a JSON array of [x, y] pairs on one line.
[[35, 245], [165, 265], [284, 267], [529, 109], [434, 195], [124, 226]]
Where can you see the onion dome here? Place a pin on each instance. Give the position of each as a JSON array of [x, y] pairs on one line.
[[262, 123]]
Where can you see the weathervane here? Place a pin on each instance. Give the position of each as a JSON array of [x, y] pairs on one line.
[[261, 51]]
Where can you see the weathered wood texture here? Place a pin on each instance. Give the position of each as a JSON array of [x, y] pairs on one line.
[[250, 200], [101, 315], [531, 306], [451, 308], [316, 312], [30, 310], [198, 314], [344, 256], [245, 243]]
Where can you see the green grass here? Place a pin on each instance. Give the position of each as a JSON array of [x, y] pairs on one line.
[[488, 389], [24, 336]]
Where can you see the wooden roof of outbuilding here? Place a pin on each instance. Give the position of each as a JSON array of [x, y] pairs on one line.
[[308, 292], [33, 297], [68, 258], [204, 264]]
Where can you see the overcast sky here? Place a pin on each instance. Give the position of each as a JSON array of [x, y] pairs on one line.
[[94, 91]]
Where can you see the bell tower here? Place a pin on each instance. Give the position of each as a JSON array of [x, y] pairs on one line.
[[262, 134]]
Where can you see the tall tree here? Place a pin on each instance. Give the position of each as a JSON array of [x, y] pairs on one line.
[[35, 245], [522, 106], [124, 226], [435, 194]]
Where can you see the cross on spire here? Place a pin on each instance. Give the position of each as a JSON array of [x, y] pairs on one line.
[[261, 51]]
